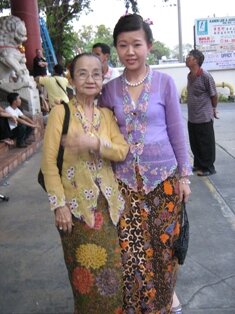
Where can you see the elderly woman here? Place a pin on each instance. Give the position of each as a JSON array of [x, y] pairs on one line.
[[85, 199]]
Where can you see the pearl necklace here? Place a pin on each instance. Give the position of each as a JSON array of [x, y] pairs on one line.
[[137, 83]]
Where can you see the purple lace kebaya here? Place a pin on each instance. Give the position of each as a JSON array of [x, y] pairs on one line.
[[153, 127]]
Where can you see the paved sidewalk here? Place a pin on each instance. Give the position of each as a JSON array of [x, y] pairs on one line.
[[33, 277]]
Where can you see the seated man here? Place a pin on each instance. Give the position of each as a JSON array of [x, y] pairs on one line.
[[23, 127], [5, 132]]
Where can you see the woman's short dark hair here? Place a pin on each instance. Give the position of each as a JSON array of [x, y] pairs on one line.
[[130, 23], [77, 57]]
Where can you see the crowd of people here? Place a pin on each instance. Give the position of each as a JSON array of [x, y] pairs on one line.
[[125, 177]]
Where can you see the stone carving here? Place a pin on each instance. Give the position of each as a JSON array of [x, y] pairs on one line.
[[14, 75], [12, 61]]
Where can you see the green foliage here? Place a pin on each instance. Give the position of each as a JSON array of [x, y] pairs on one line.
[[59, 14], [186, 48], [67, 43], [4, 4], [88, 35], [84, 38], [157, 52], [223, 98]]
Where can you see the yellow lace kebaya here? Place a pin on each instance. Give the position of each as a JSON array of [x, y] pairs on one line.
[[84, 175]]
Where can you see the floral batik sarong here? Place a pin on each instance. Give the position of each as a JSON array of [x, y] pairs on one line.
[[93, 260], [147, 230]]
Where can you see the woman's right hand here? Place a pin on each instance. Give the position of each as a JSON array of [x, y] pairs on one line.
[[184, 189], [63, 219]]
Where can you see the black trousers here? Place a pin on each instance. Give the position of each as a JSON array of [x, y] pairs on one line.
[[5, 131], [202, 143], [21, 133]]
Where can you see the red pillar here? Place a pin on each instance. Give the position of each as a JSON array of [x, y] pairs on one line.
[[27, 10]]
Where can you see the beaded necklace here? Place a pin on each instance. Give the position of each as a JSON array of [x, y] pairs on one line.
[[137, 83]]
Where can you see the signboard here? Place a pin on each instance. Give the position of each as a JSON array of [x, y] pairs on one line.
[[215, 37], [219, 61]]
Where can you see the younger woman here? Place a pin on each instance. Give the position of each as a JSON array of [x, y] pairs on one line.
[[153, 178]]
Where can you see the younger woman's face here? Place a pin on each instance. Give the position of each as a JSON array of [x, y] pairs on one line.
[[133, 49], [88, 76]]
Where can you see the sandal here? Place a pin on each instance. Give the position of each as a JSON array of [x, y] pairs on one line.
[[177, 309]]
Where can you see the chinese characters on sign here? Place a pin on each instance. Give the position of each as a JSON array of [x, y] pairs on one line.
[[216, 38]]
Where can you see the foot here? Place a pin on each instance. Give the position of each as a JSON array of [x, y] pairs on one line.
[[29, 142], [8, 141], [176, 310], [205, 173], [176, 307], [22, 145]]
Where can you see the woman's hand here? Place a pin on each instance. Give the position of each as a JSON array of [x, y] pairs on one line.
[[184, 189], [63, 219], [79, 143]]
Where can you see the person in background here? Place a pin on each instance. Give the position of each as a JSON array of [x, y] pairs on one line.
[[85, 199], [39, 64], [40, 69], [103, 52], [22, 126], [5, 132], [202, 103], [55, 86], [153, 178]]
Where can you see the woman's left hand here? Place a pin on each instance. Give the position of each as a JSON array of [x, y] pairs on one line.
[[79, 143], [184, 189]]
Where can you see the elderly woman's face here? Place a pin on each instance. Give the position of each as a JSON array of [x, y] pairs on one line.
[[88, 76]]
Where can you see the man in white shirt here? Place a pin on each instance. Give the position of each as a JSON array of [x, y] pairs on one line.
[[103, 52], [23, 126]]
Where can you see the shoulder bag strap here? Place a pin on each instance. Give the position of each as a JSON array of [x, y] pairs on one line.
[[60, 86], [64, 131]]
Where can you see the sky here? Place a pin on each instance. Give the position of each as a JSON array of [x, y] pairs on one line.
[[164, 16]]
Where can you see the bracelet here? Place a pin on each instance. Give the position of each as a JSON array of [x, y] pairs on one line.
[[184, 181]]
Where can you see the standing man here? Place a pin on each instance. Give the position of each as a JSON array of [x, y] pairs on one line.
[[202, 103], [39, 64], [103, 52]]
